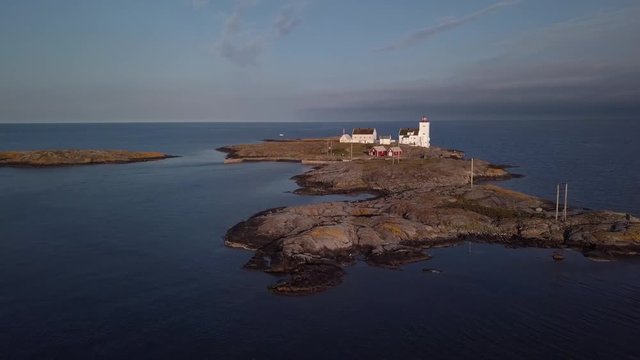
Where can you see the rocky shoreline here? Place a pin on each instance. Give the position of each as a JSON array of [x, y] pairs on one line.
[[423, 202], [51, 158]]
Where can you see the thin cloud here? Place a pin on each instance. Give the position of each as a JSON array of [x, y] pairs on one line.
[[426, 33], [286, 21], [234, 45], [234, 49], [244, 54]]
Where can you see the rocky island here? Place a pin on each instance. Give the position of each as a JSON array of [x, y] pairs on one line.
[[425, 200], [48, 158]]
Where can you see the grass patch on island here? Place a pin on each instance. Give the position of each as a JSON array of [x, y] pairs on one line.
[[473, 206]]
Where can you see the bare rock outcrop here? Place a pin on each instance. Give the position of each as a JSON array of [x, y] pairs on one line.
[[423, 202]]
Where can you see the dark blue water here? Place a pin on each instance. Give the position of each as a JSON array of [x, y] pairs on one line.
[[127, 261]]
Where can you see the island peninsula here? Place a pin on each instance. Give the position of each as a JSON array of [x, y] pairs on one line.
[[425, 200], [49, 158]]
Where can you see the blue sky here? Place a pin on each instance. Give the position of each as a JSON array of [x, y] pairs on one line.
[[317, 60]]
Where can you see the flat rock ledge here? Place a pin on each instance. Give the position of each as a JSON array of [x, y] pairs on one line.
[[50, 158], [422, 203], [311, 243]]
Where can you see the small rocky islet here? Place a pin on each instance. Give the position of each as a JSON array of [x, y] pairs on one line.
[[52, 158], [423, 201]]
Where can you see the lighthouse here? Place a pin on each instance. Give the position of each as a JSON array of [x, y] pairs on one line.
[[423, 133]]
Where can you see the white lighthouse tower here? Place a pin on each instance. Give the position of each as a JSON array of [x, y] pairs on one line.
[[423, 133]]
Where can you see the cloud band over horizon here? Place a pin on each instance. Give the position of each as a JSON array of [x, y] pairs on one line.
[[251, 60]]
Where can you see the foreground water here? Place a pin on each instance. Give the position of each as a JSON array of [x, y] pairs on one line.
[[127, 261]]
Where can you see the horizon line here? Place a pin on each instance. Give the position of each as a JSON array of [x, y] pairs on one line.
[[283, 121]]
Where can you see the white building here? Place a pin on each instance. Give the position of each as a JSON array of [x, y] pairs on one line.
[[416, 137], [408, 136], [345, 138], [385, 140], [425, 139], [364, 135]]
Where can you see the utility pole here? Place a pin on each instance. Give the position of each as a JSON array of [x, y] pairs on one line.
[[557, 200], [566, 195], [471, 172]]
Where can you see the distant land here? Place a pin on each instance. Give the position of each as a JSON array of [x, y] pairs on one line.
[[49, 158]]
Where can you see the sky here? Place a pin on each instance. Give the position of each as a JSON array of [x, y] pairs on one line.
[[318, 60]]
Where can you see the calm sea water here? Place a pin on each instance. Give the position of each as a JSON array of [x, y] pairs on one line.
[[127, 261]]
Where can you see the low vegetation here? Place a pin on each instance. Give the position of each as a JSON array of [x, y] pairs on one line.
[[473, 206], [43, 158]]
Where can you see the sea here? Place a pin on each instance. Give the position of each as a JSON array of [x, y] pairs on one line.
[[128, 262]]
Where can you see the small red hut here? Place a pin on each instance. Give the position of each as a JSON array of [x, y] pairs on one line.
[[394, 151], [378, 151]]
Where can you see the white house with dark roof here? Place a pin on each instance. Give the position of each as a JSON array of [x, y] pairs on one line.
[[385, 140], [408, 136], [364, 135], [416, 136], [345, 138]]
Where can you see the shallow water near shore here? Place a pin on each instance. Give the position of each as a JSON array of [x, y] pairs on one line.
[[128, 261]]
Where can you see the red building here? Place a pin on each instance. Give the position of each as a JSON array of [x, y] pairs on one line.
[[378, 151], [394, 151]]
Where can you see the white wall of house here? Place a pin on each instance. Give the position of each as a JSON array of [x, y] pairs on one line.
[[345, 138], [410, 140], [365, 138]]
